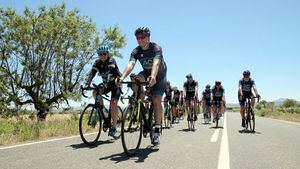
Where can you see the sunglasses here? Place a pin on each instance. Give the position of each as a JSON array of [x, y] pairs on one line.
[[102, 54], [140, 37]]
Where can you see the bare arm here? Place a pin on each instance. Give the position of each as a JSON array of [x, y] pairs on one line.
[[128, 70], [255, 90], [155, 67]]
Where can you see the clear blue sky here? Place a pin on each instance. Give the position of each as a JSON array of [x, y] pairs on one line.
[[213, 40]]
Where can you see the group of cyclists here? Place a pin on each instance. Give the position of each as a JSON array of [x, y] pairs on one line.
[[150, 56]]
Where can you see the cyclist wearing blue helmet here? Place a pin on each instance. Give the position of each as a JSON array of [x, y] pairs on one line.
[[149, 54], [107, 68]]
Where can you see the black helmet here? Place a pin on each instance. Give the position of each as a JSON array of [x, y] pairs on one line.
[[189, 76], [168, 82], [207, 86], [142, 30], [246, 73], [132, 75], [218, 83]]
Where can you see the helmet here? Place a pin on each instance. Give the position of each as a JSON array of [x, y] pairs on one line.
[[168, 82], [246, 73], [218, 83], [132, 75], [207, 86], [103, 49], [142, 30], [189, 76]]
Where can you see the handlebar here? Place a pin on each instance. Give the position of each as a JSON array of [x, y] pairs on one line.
[[99, 88]]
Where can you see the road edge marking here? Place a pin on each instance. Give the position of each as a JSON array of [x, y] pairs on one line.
[[39, 142]]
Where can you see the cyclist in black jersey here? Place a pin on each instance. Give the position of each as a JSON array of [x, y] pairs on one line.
[[175, 101], [206, 99], [191, 92], [246, 85], [218, 94], [149, 54], [107, 68], [168, 98]]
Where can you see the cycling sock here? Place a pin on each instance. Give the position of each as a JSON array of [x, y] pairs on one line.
[[157, 128]]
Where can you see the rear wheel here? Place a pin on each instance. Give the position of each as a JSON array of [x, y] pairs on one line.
[[90, 124], [131, 130]]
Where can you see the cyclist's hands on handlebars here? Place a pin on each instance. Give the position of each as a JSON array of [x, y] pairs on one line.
[[118, 81]]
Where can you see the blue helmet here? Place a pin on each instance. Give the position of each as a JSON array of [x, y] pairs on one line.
[[103, 49]]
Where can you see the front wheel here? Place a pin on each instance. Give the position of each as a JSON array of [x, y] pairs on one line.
[[90, 124], [131, 130], [251, 121]]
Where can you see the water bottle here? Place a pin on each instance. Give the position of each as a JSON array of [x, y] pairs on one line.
[[105, 112]]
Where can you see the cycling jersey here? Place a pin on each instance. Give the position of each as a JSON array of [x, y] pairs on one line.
[[176, 94], [246, 86], [146, 58], [190, 88], [218, 94], [108, 70], [206, 94], [168, 92]]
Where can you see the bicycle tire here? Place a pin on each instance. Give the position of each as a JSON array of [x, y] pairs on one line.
[[87, 138], [252, 120], [127, 128]]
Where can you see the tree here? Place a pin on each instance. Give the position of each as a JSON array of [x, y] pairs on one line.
[[44, 54], [289, 103], [262, 104]]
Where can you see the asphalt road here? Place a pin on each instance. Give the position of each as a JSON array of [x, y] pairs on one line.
[[276, 144]]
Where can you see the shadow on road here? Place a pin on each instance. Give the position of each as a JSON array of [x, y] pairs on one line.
[[219, 127], [82, 145], [244, 131], [140, 157], [184, 130]]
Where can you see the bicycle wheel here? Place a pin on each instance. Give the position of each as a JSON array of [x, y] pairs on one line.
[[131, 130], [247, 119], [217, 117], [90, 124], [252, 121]]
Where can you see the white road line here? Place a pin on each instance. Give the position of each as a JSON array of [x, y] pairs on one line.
[[214, 137], [39, 142], [224, 162]]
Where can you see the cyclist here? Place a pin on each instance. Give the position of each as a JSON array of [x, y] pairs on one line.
[[175, 102], [181, 102], [206, 100], [107, 68], [246, 84], [149, 54], [191, 93], [168, 99], [218, 95]]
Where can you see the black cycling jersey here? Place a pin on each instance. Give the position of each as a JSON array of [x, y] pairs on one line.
[[176, 94], [190, 88], [206, 94], [108, 70], [217, 94], [146, 58], [168, 93], [246, 86]]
